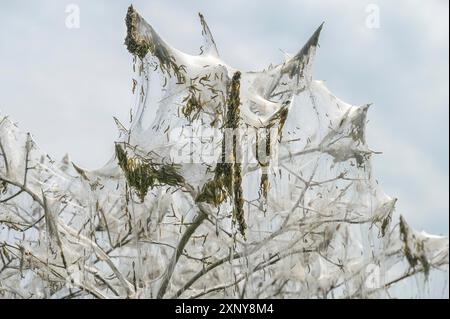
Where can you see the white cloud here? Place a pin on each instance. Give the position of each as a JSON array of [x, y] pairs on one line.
[[406, 172]]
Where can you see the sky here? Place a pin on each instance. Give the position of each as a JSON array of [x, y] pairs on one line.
[[64, 85]]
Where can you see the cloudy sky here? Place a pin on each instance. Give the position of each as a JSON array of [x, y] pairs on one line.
[[64, 85]]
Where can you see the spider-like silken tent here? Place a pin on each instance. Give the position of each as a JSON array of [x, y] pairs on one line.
[[225, 183]]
